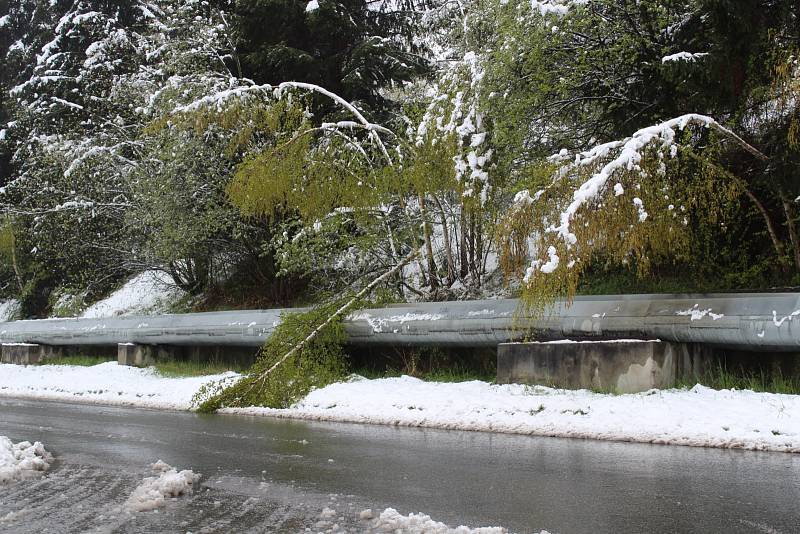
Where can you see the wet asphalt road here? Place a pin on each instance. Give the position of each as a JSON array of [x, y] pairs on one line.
[[263, 475]]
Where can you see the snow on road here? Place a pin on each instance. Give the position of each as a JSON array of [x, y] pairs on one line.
[[19, 461], [153, 492], [698, 417], [391, 520], [106, 383]]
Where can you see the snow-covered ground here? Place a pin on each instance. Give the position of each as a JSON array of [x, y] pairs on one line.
[[698, 417], [8, 308], [107, 383], [146, 293], [19, 461]]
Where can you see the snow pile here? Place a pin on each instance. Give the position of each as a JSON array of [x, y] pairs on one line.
[[8, 308], [107, 383], [153, 492], [19, 461], [391, 520], [148, 292], [698, 417]]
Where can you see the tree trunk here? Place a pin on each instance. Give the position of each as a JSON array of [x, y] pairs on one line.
[[451, 267], [773, 234], [479, 249], [14, 263], [788, 210], [393, 248], [433, 278], [472, 245], [462, 241]]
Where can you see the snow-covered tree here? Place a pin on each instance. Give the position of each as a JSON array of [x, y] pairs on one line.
[[645, 108]]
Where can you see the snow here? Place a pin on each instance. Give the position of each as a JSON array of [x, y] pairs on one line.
[[379, 323], [8, 308], [548, 267], [153, 492], [106, 383], [700, 416], [779, 322], [148, 292], [683, 56], [313, 5], [629, 154], [640, 208], [697, 417], [573, 341], [391, 520], [696, 314], [555, 7], [21, 461]]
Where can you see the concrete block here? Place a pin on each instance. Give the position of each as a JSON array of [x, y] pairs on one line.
[[20, 353], [623, 367], [136, 355]]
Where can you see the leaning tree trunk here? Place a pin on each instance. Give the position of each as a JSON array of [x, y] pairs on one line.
[[433, 278], [451, 266], [788, 211], [773, 233], [462, 241], [338, 313]]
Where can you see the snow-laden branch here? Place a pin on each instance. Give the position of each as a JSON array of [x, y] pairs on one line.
[[373, 128], [683, 56], [217, 100], [629, 157], [555, 7]]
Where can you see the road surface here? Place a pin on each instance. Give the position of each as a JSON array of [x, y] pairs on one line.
[[262, 475]]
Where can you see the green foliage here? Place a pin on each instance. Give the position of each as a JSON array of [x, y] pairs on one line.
[[351, 47], [297, 168], [724, 377], [427, 363], [66, 302], [596, 74], [319, 363]]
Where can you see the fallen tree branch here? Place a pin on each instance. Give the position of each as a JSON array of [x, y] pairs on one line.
[[338, 313]]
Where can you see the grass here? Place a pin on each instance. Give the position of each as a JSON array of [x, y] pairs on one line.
[[721, 377], [440, 375]]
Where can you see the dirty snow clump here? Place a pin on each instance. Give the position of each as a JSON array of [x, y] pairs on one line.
[[153, 492], [391, 520], [23, 460]]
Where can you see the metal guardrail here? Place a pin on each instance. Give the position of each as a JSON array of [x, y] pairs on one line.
[[748, 321]]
